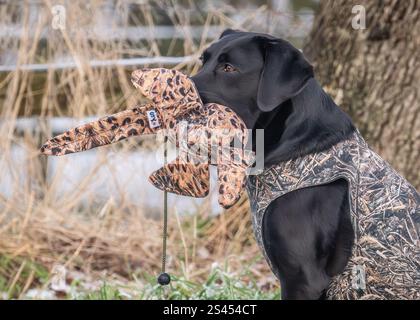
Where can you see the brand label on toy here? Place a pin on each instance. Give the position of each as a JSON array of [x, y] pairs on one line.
[[153, 119]]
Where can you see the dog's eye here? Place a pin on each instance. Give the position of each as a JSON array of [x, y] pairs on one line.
[[228, 68]]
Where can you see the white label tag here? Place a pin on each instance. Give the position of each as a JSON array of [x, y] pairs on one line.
[[153, 119]]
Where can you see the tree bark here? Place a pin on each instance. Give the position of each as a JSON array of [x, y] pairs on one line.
[[374, 74]]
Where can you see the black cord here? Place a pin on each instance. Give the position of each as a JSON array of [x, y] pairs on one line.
[[164, 277]]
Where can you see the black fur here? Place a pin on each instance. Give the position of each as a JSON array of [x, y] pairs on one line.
[[269, 83]]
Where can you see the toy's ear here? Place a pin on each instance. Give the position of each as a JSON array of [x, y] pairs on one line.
[[228, 32], [285, 73], [179, 87]]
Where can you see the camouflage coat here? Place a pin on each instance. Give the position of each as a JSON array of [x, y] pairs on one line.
[[385, 213]]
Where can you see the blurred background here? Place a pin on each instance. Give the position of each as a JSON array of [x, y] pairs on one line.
[[88, 225]]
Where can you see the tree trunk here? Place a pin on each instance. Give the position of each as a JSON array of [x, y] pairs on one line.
[[374, 74]]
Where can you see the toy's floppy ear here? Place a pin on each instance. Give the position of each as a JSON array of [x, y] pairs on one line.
[[285, 73]]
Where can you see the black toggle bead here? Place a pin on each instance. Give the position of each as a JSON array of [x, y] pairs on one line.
[[164, 279]]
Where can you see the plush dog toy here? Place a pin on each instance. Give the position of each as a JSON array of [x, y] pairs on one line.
[[204, 134]]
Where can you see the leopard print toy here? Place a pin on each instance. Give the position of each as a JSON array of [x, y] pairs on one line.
[[209, 134]]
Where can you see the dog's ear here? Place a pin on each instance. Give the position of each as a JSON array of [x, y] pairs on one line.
[[228, 32], [285, 73]]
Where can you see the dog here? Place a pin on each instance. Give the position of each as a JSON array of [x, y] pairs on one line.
[[308, 234]]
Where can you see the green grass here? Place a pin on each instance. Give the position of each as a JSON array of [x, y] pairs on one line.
[[16, 273], [106, 292], [220, 285]]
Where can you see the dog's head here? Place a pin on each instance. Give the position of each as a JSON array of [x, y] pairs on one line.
[[251, 73]]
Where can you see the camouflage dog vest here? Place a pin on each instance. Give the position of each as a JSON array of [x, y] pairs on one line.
[[385, 214]]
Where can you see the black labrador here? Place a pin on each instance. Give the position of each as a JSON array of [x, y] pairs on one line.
[[271, 85]]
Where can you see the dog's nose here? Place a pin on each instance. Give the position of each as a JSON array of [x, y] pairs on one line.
[[197, 81], [199, 84]]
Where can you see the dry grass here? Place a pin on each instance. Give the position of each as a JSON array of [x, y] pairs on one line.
[[38, 227]]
